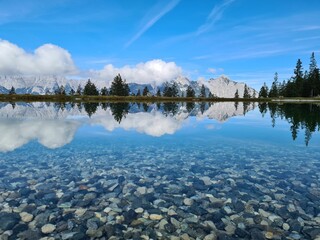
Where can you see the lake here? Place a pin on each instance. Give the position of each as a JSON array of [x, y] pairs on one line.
[[159, 171]]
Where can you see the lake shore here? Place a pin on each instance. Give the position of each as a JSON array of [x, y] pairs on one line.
[[81, 98]]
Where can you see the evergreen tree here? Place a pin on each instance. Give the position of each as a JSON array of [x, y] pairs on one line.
[[263, 93], [274, 87], [79, 90], [175, 90], [236, 94], [90, 89], [167, 90], [298, 79], [104, 91], [313, 78], [12, 91], [253, 95], [138, 93], [60, 91], [119, 87], [246, 93], [72, 92], [170, 91], [190, 92], [158, 93], [282, 88], [145, 91], [210, 95], [203, 91]]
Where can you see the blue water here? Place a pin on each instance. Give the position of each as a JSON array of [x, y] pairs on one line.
[[222, 174]]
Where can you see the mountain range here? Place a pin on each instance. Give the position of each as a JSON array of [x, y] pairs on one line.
[[40, 85]]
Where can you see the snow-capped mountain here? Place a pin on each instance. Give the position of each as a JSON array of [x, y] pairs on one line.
[[224, 87], [220, 87]]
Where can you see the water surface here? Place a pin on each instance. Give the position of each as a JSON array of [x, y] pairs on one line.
[[159, 171]]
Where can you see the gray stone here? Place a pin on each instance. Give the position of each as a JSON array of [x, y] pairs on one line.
[[8, 220]]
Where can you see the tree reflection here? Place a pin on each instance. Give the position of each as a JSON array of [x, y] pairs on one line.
[[90, 108], [299, 116], [190, 106], [119, 110], [170, 108], [145, 107], [59, 106]]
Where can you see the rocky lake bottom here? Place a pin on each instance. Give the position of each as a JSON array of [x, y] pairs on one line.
[[156, 193], [183, 186]]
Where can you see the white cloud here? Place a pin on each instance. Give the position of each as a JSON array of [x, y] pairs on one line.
[[214, 16], [155, 71], [167, 8], [46, 60]]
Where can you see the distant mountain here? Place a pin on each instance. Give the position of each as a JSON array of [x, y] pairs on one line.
[[220, 87]]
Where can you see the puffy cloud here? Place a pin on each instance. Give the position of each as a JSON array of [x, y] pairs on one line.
[[49, 133], [155, 71], [46, 60]]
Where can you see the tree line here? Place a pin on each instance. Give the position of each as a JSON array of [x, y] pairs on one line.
[[119, 87], [301, 84]]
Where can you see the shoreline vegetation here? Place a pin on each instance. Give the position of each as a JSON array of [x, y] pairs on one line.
[[89, 98]]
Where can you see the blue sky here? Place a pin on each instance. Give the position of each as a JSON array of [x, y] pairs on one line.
[[247, 40]]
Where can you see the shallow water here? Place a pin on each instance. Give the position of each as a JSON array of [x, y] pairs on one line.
[[168, 171]]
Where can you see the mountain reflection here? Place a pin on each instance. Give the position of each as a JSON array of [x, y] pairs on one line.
[[54, 124]]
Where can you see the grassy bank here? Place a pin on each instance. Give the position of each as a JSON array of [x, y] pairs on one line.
[[63, 98]]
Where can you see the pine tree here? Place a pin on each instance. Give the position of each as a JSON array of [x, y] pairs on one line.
[[104, 91], [12, 91], [274, 87], [246, 93], [175, 90], [158, 93], [313, 78], [170, 91], [60, 91], [203, 91], [236, 94], [119, 87], [145, 91], [90, 89], [190, 92], [298, 79], [79, 90], [264, 91], [138, 93], [72, 92]]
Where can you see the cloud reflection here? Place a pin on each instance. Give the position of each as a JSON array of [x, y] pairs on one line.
[[50, 133], [54, 127]]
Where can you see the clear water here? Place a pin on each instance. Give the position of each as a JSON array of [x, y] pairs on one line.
[[159, 171]]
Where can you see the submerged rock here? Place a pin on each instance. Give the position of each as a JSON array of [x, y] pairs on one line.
[[8, 220]]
